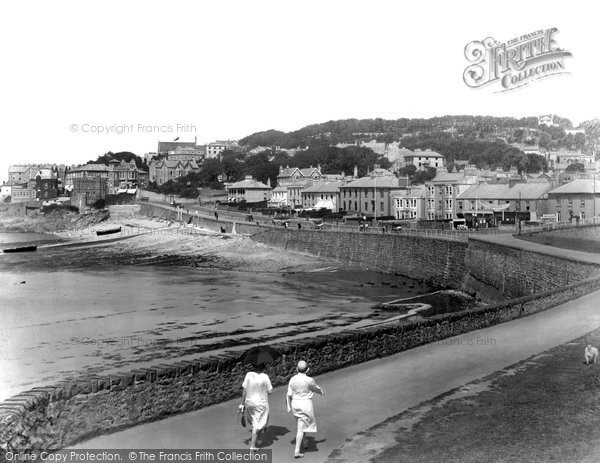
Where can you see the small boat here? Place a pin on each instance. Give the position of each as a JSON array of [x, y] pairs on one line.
[[108, 231], [22, 249]]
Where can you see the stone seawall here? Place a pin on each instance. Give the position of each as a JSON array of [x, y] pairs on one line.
[[61, 415], [517, 272], [437, 260]]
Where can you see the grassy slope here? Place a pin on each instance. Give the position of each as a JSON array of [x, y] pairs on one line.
[[545, 408]]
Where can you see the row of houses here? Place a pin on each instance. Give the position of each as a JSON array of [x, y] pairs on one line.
[[92, 181], [460, 197]]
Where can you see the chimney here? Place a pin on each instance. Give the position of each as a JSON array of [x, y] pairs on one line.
[[269, 182], [355, 171]]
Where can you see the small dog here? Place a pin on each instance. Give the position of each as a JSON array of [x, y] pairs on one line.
[[591, 353]]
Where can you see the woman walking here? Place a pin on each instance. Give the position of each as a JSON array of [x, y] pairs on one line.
[[299, 401], [255, 401]]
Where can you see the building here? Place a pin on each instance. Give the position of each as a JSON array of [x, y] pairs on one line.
[[90, 188], [442, 191], [21, 193], [322, 195], [495, 203], [279, 197], [559, 160], [87, 170], [372, 195], [424, 158], [577, 199], [125, 175], [165, 146], [291, 175], [248, 190], [19, 174], [187, 154], [409, 204], [214, 149], [44, 187], [163, 170]]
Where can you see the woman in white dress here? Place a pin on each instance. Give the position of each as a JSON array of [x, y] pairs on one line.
[[299, 401], [255, 401]]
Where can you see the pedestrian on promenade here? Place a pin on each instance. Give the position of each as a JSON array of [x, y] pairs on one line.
[[216, 216], [299, 401], [299, 225], [255, 401]]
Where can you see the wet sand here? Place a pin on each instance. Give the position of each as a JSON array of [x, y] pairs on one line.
[[72, 311]]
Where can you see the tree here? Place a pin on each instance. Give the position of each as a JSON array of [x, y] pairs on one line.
[[425, 175], [210, 171], [575, 167]]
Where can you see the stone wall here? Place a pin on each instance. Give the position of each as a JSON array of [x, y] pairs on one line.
[[437, 260], [517, 272], [58, 416]]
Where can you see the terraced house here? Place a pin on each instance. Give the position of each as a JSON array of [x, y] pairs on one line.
[[577, 199], [372, 195], [163, 170], [322, 195]]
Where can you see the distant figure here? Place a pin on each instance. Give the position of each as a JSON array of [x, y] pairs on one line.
[[222, 230], [285, 224], [591, 354], [299, 401], [216, 216], [255, 401], [299, 225]]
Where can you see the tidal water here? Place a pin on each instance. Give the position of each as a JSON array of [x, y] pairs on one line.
[[59, 323]]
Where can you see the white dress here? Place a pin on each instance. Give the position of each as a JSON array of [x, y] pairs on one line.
[[301, 389], [257, 386]]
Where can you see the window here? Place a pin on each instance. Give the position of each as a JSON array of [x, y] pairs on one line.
[[472, 204], [570, 200], [460, 205], [582, 215], [366, 205], [381, 208], [582, 202]]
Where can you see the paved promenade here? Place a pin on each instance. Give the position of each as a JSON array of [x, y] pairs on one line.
[[507, 239], [364, 395]]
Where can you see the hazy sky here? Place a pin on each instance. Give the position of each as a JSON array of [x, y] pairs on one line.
[[231, 68]]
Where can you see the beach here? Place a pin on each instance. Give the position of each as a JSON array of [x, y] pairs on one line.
[[88, 306]]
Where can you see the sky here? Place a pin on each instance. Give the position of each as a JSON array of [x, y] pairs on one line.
[[83, 78]]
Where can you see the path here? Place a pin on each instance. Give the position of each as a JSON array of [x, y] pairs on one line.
[[509, 240], [364, 395]]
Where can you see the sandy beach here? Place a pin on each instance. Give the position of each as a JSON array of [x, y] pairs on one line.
[[159, 291]]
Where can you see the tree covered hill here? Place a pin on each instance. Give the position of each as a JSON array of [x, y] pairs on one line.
[[350, 130]]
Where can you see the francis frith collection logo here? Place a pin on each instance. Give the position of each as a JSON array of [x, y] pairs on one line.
[[516, 62]]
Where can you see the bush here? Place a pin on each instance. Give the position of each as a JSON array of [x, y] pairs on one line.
[[99, 204], [216, 186]]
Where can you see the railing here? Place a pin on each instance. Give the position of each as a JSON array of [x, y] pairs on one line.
[[549, 226]]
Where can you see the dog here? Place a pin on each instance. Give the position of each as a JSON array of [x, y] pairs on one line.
[[591, 354]]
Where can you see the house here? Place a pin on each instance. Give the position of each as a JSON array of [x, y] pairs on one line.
[[21, 173], [322, 195], [372, 195], [45, 187], [579, 198], [125, 175], [290, 175], [409, 204], [214, 149], [163, 170], [493, 203], [90, 188], [442, 191], [248, 190], [424, 158], [279, 197], [559, 160], [87, 170], [20, 193]]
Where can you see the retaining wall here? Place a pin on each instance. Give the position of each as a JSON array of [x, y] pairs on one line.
[[437, 260], [58, 416], [517, 272]]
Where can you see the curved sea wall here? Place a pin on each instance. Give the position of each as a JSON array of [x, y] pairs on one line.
[[436, 260], [58, 416]]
